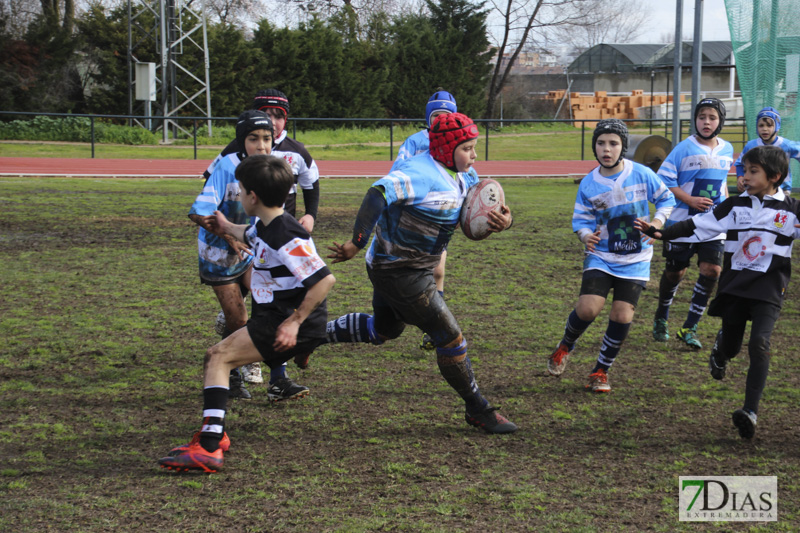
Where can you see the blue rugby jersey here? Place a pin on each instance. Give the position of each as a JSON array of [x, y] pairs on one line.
[[423, 205], [414, 145], [304, 168], [699, 171], [791, 148], [217, 260], [285, 265], [611, 204]]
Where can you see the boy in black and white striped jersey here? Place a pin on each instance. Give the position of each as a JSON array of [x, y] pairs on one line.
[[761, 226]]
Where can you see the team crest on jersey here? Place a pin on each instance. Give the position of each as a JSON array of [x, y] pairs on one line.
[[262, 257], [780, 220], [289, 158]]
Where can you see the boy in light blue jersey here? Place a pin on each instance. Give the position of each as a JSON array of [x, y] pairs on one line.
[[414, 212], [225, 262], [439, 103], [696, 171], [768, 124], [609, 200]]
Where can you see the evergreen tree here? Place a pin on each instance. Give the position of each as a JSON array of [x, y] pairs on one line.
[[235, 71], [466, 54], [105, 49], [448, 49], [324, 69]]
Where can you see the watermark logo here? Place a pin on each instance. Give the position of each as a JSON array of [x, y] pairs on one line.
[[728, 499]]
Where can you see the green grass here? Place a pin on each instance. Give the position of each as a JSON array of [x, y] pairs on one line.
[[104, 327], [511, 143]]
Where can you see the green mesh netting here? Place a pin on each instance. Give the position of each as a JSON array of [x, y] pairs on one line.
[[765, 35]]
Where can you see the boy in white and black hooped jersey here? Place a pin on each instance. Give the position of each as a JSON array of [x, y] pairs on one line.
[[761, 226], [306, 173], [289, 284]]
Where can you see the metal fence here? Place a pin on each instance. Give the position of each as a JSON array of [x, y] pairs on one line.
[[489, 125]]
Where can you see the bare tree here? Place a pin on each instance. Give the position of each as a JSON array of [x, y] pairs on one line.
[[18, 14], [300, 10], [519, 22], [235, 12], [604, 21]]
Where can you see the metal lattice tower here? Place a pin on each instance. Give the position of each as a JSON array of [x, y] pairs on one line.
[[175, 32]]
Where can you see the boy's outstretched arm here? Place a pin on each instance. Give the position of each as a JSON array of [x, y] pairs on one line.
[[685, 228], [286, 335], [368, 214], [223, 226]]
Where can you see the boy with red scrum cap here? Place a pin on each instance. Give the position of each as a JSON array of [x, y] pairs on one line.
[[439, 103], [414, 211]]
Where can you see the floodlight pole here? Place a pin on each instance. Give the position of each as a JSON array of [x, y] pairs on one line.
[[697, 56], [676, 73]]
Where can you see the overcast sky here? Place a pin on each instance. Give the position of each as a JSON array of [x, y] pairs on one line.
[[715, 21]]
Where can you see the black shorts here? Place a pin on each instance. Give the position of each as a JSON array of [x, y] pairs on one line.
[[679, 254], [409, 296], [263, 337], [599, 283]]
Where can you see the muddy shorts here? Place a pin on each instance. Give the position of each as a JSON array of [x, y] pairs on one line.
[[409, 296], [226, 281]]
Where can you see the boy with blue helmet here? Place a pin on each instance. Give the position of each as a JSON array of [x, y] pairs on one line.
[[768, 124], [439, 102]]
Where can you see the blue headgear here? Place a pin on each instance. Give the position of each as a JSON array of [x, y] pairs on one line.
[[770, 112], [440, 101]]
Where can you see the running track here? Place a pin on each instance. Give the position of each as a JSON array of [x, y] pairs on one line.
[[173, 168]]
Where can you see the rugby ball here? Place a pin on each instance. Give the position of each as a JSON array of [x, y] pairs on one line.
[[481, 199]]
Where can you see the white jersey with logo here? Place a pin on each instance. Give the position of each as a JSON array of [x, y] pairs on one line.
[[285, 265]]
